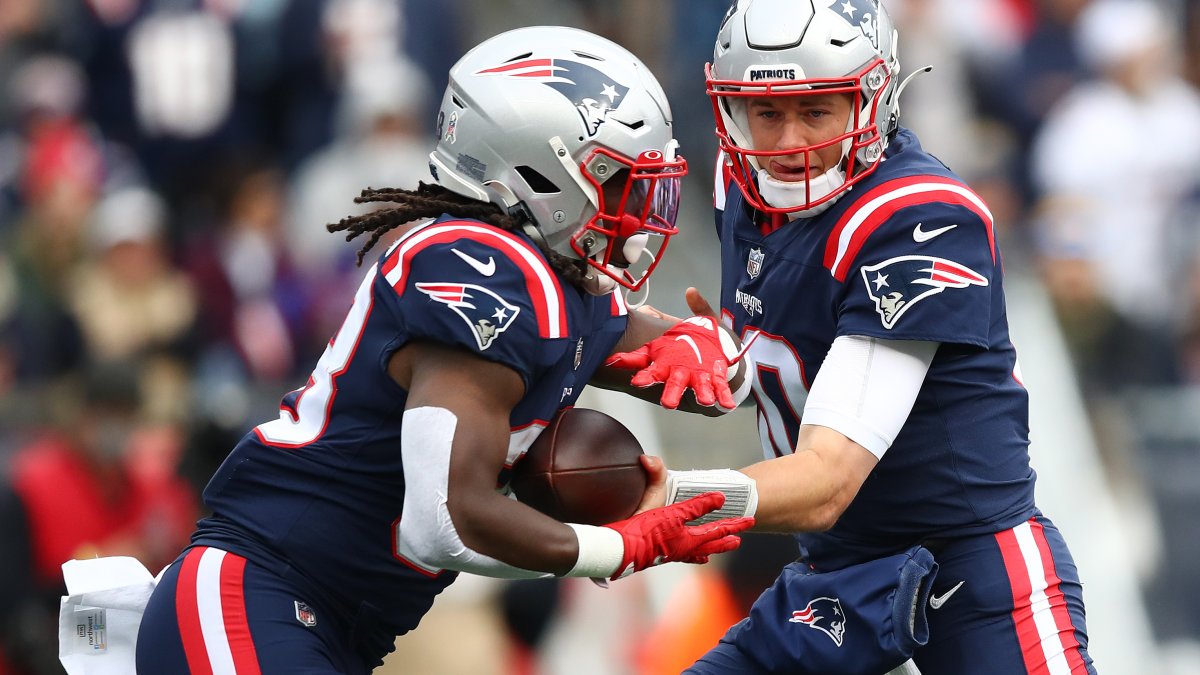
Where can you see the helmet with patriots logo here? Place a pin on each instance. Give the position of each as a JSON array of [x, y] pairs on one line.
[[573, 133], [770, 48]]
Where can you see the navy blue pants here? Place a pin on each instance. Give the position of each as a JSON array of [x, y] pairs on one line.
[[999, 604], [216, 612]]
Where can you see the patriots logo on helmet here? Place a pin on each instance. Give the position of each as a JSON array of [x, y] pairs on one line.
[[486, 313], [863, 15], [592, 92], [824, 614], [899, 283]]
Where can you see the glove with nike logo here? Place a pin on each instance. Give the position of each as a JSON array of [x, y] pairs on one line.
[[694, 353]]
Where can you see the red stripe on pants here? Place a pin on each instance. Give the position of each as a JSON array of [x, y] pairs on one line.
[[1058, 602], [233, 610], [187, 614], [1022, 614]]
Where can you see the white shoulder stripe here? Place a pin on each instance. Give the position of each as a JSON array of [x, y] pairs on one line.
[[719, 182], [527, 259], [866, 210]]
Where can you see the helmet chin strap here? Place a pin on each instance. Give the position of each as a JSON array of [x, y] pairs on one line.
[[597, 283], [784, 195]]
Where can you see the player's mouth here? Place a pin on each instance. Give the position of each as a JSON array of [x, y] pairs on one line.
[[791, 173]]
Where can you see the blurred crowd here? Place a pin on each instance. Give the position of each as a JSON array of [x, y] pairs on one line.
[[167, 168]]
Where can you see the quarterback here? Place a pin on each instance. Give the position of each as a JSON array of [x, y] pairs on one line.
[[867, 280]]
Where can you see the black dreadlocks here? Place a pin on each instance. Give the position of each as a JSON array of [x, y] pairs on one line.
[[431, 201]]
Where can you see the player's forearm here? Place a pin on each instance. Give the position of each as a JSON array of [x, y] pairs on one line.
[[809, 490], [513, 533], [645, 323]]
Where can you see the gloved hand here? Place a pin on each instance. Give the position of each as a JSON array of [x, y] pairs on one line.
[[663, 535], [689, 355]]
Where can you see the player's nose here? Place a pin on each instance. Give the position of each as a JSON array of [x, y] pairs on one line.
[[793, 134]]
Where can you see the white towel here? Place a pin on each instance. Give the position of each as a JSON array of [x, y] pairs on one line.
[[98, 621]]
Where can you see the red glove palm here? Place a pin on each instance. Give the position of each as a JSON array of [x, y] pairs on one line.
[[688, 355], [663, 535]]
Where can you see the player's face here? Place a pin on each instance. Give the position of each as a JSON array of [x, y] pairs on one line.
[[786, 122], [634, 202]]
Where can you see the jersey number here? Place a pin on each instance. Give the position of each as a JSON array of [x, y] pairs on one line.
[[780, 391], [307, 419]]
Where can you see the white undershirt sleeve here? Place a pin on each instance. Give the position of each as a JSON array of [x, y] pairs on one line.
[[866, 388], [426, 533]]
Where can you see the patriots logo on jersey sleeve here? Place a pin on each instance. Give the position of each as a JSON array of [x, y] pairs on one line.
[[899, 283], [824, 614], [592, 92], [486, 313]]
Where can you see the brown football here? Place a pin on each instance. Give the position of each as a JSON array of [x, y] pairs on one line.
[[583, 468]]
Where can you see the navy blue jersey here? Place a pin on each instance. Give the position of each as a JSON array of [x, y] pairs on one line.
[[316, 495], [908, 254]]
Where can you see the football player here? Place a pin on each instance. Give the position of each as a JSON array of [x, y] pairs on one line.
[[333, 527], [866, 278]]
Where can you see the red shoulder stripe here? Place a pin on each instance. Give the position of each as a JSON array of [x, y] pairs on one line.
[[619, 306], [544, 289], [879, 204]]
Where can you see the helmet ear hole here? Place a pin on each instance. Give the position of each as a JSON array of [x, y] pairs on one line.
[[536, 181]]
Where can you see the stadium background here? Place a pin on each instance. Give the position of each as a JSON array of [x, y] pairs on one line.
[[167, 166]]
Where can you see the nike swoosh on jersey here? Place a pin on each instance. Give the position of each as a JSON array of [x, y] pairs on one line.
[[691, 343], [486, 269], [920, 235], [936, 601]]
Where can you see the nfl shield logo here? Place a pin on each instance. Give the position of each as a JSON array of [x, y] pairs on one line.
[[754, 262], [305, 614]]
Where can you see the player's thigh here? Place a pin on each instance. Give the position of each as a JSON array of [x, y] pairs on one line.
[[723, 659], [214, 610], [1007, 603]]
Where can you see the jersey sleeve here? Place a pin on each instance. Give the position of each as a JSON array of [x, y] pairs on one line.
[[479, 289], [924, 273]]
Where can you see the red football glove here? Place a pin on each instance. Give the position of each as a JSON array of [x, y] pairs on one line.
[[663, 535], [688, 355]]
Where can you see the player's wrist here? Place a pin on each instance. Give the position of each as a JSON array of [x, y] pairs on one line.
[[601, 550], [740, 490]]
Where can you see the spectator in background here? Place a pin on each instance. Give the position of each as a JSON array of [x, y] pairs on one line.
[[383, 139], [128, 299], [1113, 160], [60, 182], [253, 302], [947, 35], [101, 481], [1020, 90]]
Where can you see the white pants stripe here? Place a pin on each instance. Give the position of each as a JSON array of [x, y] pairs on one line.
[[212, 620], [1043, 618]]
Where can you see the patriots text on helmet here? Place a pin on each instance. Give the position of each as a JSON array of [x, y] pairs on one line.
[[757, 74]]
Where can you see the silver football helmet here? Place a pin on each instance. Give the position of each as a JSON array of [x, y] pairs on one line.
[[574, 132], [770, 48]]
